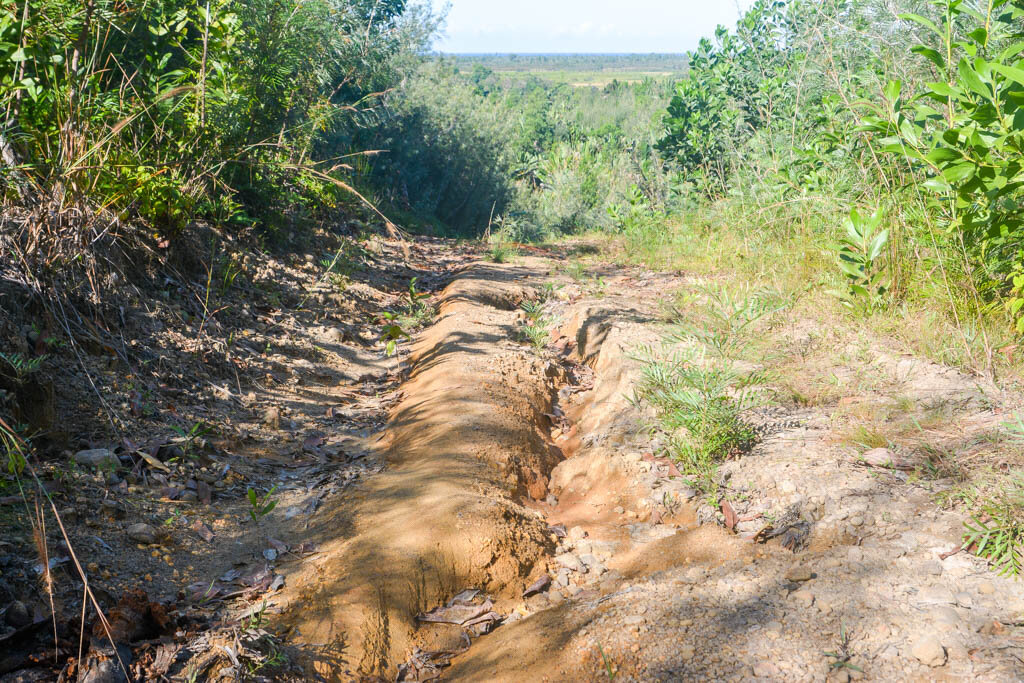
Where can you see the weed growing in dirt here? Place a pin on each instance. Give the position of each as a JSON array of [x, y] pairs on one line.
[[576, 271], [996, 530], [502, 253], [860, 259], [392, 333], [609, 668], [536, 334], [21, 366], [191, 438], [700, 391], [866, 437], [549, 290], [843, 654], [724, 323], [13, 449], [343, 265], [417, 312], [260, 506], [700, 408], [535, 328], [598, 287], [503, 241], [534, 310]]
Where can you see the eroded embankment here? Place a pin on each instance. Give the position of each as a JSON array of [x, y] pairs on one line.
[[462, 446]]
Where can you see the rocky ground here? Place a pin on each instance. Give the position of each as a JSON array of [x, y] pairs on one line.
[[492, 505]]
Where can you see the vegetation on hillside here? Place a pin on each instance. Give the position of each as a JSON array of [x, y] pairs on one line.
[[866, 152]]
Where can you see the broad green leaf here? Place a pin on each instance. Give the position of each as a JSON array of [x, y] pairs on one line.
[[931, 55], [972, 80], [1013, 73], [853, 271], [1010, 52], [877, 245], [940, 154], [892, 91], [937, 185], [959, 173], [945, 89], [922, 21]]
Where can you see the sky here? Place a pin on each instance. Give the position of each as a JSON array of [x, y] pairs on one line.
[[584, 25]]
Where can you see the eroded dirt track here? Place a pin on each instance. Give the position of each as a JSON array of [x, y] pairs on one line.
[[464, 443], [529, 479]]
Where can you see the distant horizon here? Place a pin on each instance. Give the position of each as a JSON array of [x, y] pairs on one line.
[[508, 53]]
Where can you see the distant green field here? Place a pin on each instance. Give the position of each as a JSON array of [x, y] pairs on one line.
[[579, 70], [579, 79]]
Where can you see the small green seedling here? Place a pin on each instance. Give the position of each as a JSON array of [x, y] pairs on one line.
[[392, 333], [190, 437], [261, 506], [548, 291], [415, 297], [534, 310], [860, 259]]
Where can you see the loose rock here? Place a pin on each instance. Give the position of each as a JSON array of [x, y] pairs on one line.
[[799, 574], [929, 651], [142, 533], [101, 458]]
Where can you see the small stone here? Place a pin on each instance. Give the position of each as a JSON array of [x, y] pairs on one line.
[[17, 615], [964, 599], [799, 574], [855, 554], [571, 562], [804, 597], [857, 521], [142, 533], [577, 533], [589, 560], [765, 670], [933, 568], [945, 615], [686, 652], [787, 486], [536, 603], [101, 458], [879, 457], [619, 510], [573, 590], [929, 651], [986, 588]]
